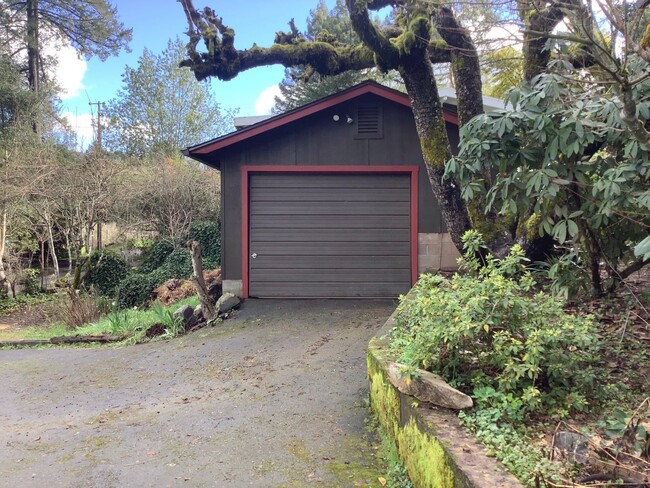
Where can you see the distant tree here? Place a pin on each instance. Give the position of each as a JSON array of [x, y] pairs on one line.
[[89, 26], [503, 71], [165, 195], [161, 108]]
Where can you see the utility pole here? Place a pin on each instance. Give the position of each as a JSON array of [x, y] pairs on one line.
[[98, 149], [98, 141]]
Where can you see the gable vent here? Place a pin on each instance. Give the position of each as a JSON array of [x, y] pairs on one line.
[[369, 122]]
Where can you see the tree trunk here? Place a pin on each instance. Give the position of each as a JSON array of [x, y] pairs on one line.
[[209, 311], [100, 244], [427, 110], [87, 237], [42, 265], [538, 21], [4, 284], [50, 241], [69, 250], [33, 52], [465, 67]]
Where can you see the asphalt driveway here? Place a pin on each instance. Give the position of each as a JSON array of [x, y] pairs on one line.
[[272, 397]]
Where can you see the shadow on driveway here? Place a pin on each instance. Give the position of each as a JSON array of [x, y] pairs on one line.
[[272, 397]]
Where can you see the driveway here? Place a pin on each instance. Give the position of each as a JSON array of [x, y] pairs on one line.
[[274, 396]]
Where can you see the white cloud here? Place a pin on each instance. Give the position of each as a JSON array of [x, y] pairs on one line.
[[507, 34], [82, 125], [70, 69], [266, 100]]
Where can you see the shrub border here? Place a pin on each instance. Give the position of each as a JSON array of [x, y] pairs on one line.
[[435, 449]]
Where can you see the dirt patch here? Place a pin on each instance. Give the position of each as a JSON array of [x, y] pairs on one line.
[[42, 314], [174, 290]]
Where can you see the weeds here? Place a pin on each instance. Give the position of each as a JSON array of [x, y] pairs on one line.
[[10, 305], [165, 315], [82, 308]]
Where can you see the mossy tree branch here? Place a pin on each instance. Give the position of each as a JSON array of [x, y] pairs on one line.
[[407, 48], [538, 22]]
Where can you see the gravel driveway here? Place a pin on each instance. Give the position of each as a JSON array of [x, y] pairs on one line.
[[272, 397]]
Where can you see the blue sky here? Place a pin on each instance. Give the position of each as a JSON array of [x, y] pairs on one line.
[[156, 21]]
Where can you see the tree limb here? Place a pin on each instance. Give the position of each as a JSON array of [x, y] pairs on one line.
[[464, 64]]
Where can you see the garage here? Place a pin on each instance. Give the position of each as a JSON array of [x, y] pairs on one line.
[[335, 234], [331, 199]]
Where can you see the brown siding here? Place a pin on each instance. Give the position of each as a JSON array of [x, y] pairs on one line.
[[318, 140]]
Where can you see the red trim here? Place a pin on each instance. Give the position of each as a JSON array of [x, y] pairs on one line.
[[244, 229], [414, 225], [306, 110], [451, 118], [247, 169]]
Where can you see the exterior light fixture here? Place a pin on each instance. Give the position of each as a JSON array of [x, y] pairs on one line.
[[336, 118], [348, 119]]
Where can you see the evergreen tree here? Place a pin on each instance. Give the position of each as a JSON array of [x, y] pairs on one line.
[[302, 85]]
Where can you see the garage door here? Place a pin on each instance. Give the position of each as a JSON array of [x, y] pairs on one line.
[[329, 235]]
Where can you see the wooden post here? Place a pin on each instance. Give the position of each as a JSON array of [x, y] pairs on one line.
[[209, 311]]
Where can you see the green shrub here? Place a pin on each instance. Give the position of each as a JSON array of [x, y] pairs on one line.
[[107, 269], [135, 290], [208, 234], [156, 255], [177, 265], [31, 281], [487, 331]]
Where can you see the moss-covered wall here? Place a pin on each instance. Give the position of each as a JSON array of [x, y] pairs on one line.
[[434, 447], [428, 463]]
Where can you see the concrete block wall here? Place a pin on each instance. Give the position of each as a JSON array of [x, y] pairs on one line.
[[436, 252]]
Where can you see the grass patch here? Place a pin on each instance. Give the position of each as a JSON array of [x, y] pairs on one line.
[[132, 323], [396, 473]]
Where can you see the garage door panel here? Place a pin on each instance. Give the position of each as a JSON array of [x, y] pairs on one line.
[[330, 290], [332, 235], [304, 248], [329, 235], [327, 194], [289, 221], [330, 262], [327, 181], [331, 208], [329, 275]]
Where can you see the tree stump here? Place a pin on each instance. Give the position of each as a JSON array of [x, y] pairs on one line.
[[209, 312]]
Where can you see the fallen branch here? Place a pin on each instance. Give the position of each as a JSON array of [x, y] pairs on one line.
[[75, 339]]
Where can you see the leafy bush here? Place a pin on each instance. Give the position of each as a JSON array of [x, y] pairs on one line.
[[208, 234], [135, 290], [107, 269], [177, 265], [487, 331], [31, 281], [559, 153], [11, 305], [156, 255], [163, 263]]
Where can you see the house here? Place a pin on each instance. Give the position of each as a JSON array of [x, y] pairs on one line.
[[330, 199]]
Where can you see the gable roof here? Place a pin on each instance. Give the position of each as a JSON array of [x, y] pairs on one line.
[[264, 123]]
